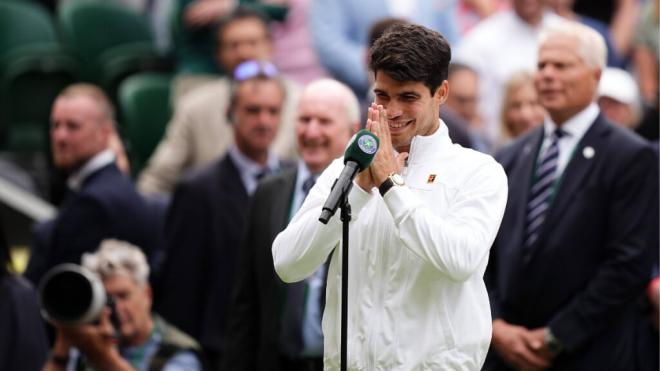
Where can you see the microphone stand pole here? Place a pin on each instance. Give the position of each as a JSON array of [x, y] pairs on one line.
[[345, 217]]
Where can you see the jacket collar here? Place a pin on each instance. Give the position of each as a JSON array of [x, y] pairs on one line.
[[100, 160], [424, 147]]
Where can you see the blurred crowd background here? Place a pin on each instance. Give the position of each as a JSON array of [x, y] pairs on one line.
[[169, 69]]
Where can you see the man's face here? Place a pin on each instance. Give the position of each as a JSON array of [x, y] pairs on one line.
[[133, 307], [565, 83], [463, 94], [256, 115], [242, 40], [411, 109], [617, 112], [322, 129], [78, 131]]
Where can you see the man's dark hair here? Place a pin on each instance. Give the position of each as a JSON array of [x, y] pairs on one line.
[[379, 27], [240, 13], [409, 52]]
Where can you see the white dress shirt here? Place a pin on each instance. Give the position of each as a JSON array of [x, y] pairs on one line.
[[101, 159], [574, 129], [250, 169]]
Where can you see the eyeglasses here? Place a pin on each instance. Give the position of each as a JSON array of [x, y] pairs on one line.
[[253, 68]]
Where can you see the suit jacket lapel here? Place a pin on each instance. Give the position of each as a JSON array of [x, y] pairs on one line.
[[282, 199], [576, 173], [520, 183]]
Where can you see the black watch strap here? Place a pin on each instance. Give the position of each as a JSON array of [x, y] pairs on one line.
[[385, 186]]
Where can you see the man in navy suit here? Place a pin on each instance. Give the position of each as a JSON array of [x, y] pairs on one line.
[[572, 254], [206, 219], [101, 202], [262, 336]]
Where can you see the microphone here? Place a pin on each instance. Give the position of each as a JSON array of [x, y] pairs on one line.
[[358, 156]]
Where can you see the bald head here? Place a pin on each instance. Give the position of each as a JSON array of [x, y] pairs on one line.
[[328, 115]]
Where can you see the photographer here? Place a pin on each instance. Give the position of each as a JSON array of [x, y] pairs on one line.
[[141, 340]]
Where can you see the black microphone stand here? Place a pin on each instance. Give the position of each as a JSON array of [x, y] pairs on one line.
[[345, 217]]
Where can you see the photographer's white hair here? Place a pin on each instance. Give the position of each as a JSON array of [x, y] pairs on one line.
[[118, 257], [592, 47]]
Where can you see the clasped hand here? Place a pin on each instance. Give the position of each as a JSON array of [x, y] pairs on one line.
[[387, 160]]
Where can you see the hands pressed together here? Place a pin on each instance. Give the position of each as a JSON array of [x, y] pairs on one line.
[[387, 160], [522, 348]]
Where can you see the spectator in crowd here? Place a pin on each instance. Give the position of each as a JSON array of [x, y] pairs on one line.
[[144, 341], [199, 132], [207, 216], [564, 8], [573, 252], [340, 29], [471, 12], [194, 31], [620, 16], [294, 54], [101, 202], [521, 109], [646, 51], [645, 55], [464, 91], [618, 98], [501, 45], [463, 102], [263, 338], [23, 342]]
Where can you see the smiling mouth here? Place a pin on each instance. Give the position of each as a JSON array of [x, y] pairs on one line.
[[399, 124]]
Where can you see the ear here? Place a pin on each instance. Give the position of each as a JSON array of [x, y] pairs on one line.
[[597, 72], [442, 92]]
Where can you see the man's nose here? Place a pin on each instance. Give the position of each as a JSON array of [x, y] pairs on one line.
[[393, 110], [58, 133]]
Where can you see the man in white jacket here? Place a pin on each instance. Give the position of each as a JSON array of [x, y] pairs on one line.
[[425, 214]]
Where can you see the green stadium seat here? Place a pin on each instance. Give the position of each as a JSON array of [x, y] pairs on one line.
[[34, 68], [111, 40], [144, 103]]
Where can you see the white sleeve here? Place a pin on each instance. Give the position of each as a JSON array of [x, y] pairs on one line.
[[457, 243], [306, 242]]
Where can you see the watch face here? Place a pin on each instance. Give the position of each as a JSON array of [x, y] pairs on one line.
[[397, 179]]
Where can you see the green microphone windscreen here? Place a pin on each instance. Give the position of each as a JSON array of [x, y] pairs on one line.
[[362, 149]]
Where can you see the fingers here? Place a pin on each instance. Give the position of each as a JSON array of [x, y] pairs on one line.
[[529, 360], [372, 119], [401, 160], [382, 123]]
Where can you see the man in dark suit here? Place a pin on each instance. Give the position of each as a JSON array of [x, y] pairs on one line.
[[207, 217], [101, 202], [270, 325], [572, 254]]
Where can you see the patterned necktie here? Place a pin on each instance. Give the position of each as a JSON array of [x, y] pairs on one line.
[[542, 190]]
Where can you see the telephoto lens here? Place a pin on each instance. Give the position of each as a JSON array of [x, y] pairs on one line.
[[70, 294]]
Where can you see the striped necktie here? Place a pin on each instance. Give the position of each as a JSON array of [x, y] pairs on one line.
[[542, 190]]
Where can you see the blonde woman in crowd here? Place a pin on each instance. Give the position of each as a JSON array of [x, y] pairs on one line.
[[521, 109]]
